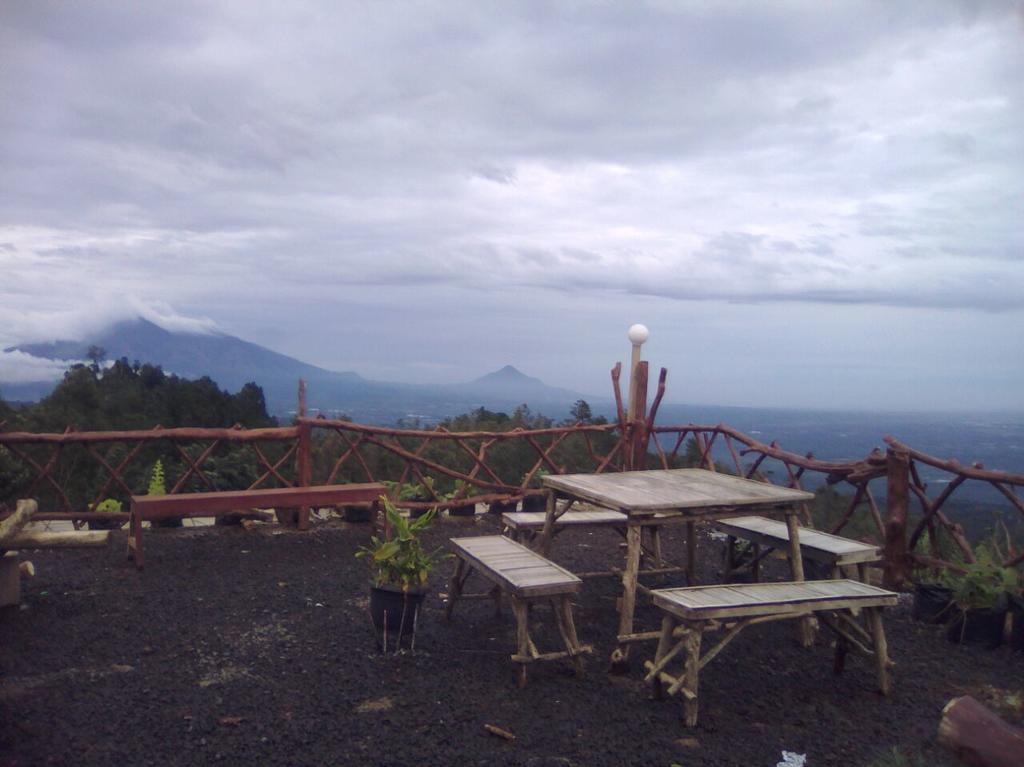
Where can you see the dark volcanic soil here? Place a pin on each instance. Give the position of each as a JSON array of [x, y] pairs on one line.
[[255, 648]]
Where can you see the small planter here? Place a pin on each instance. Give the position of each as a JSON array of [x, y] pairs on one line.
[[1017, 628], [465, 510], [535, 503], [395, 613], [978, 626], [932, 603], [287, 517], [356, 514], [105, 524], [167, 522], [419, 511], [227, 520], [502, 507]]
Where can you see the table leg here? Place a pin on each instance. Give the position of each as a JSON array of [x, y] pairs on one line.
[[691, 553], [629, 576], [796, 564], [544, 545]]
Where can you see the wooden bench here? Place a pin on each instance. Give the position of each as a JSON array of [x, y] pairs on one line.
[[527, 578], [688, 613], [146, 508], [523, 524], [833, 550]]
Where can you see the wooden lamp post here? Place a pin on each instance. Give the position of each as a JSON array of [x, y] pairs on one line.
[[637, 405]]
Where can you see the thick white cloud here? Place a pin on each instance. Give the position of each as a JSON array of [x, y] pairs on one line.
[[290, 172]]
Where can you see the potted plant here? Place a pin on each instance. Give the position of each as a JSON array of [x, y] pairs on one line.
[[106, 506], [980, 597], [461, 491], [157, 487], [400, 570], [417, 492], [536, 502]]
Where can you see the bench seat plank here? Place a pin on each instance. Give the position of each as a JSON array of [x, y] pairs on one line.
[[516, 568], [814, 544], [534, 520], [747, 600]]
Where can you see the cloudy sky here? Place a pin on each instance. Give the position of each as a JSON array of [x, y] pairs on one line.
[[810, 203]]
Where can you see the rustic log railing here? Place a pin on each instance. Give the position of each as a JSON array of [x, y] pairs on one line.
[[498, 466]]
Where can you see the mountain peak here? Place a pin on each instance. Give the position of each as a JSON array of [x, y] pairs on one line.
[[506, 376]]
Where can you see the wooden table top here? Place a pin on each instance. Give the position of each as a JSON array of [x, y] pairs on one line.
[[639, 492]]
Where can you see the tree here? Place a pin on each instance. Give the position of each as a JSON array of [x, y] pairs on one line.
[[581, 412]]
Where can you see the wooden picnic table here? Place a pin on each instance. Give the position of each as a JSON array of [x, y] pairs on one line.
[[669, 496]]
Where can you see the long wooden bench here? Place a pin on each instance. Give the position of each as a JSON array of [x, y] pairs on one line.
[[147, 508], [523, 526], [689, 613], [527, 578], [832, 550], [522, 523]]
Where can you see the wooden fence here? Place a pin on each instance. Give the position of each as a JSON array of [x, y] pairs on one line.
[[71, 472]]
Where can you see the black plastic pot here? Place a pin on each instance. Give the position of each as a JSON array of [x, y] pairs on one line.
[[395, 609], [502, 507], [105, 524], [167, 522], [356, 513], [288, 516], [535, 503], [932, 603], [981, 627], [1017, 629], [227, 520], [465, 510]]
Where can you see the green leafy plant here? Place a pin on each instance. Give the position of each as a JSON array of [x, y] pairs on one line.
[[108, 505], [983, 583], [156, 480], [413, 491], [462, 489], [401, 560]]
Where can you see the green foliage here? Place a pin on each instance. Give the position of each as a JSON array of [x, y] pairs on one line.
[[131, 396], [108, 505], [413, 491], [983, 583], [156, 480], [401, 561]]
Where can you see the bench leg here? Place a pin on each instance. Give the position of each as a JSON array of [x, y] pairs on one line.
[[668, 625], [691, 677], [755, 566], [562, 609], [842, 648], [874, 617], [522, 637], [455, 587]]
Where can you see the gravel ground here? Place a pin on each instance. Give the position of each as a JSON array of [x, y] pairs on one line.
[[255, 647]]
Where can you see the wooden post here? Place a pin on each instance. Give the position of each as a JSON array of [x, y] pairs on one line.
[[979, 737], [10, 527], [303, 459], [636, 411], [638, 417], [894, 553]]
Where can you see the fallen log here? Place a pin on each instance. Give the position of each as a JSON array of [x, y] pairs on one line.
[[68, 540], [979, 737], [12, 525]]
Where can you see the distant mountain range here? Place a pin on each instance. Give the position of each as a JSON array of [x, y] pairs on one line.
[[232, 362]]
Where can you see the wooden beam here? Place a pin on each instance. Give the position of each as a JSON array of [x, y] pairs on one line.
[[10, 527], [68, 540]]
